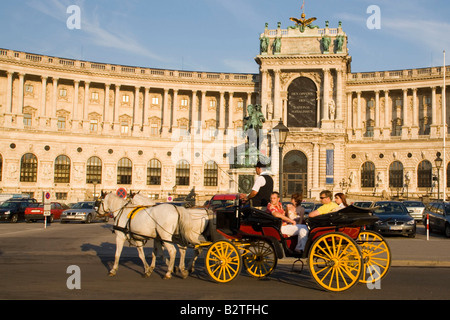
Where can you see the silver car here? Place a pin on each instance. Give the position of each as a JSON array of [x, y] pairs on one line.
[[82, 212], [415, 209]]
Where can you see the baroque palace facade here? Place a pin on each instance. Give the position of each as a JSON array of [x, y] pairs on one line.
[[70, 127]]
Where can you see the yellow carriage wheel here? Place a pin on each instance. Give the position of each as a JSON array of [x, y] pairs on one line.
[[260, 260], [376, 256], [335, 262], [223, 261]]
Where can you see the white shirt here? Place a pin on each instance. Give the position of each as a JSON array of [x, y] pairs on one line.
[[260, 181]]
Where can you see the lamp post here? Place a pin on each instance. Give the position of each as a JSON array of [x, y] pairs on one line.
[[281, 133], [438, 162]]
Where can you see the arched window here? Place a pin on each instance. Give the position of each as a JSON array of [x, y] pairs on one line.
[[183, 173], [295, 173], [396, 175], [62, 169], [28, 168], [424, 174], [211, 174], [368, 175], [154, 173], [124, 171], [94, 170]]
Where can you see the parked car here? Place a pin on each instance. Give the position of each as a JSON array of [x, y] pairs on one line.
[[439, 213], [36, 212], [309, 207], [14, 210], [363, 204], [394, 219], [415, 208], [84, 211]]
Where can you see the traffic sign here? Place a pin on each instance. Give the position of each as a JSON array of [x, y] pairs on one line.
[[47, 195], [169, 199], [121, 192]]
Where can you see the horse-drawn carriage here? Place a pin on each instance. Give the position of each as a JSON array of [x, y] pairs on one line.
[[339, 252]]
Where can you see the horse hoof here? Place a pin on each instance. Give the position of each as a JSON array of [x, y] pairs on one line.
[[185, 274], [146, 275], [111, 274], [167, 277]]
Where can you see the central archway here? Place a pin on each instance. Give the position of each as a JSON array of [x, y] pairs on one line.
[[295, 174]]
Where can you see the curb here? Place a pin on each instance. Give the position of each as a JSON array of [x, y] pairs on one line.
[[419, 263]]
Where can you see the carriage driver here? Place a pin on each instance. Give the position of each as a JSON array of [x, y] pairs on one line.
[[262, 189]]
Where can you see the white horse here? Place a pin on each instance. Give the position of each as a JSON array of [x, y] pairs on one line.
[[195, 220], [167, 224]]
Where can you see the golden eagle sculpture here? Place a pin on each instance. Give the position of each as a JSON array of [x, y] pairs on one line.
[[303, 23]]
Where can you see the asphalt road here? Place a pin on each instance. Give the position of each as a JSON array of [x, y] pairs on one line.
[[37, 263]]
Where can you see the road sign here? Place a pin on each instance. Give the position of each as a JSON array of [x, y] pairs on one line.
[[169, 199], [47, 195], [121, 192]]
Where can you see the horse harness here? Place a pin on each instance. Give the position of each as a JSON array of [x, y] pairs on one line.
[[132, 236]]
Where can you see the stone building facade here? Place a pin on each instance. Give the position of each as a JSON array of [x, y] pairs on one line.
[[76, 127]]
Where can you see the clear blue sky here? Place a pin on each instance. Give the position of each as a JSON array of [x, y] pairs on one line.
[[221, 35]]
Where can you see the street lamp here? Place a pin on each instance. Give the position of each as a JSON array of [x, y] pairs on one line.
[[281, 133], [438, 162]]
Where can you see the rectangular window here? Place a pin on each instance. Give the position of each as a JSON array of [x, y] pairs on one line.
[[94, 96], [61, 195], [94, 125], [124, 128], [27, 120], [63, 93], [155, 101], [29, 88], [154, 130], [126, 98], [61, 123]]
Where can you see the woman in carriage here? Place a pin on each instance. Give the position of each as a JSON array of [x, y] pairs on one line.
[[289, 226]]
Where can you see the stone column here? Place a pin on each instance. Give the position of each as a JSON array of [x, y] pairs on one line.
[[415, 116], [75, 116], [137, 112], [230, 127], [359, 128], [116, 108], [433, 127], [326, 94], [174, 109], [316, 166], [166, 114], [222, 109], [276, 97], [264, 101], [406, 123], [86, 106], [387, 115], [19, 111], [145, 112], [106, 113], [377, 115], [42, 109], [53, 118], [350, 115], [339, 105]]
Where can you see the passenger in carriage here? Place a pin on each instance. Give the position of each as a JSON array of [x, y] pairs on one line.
[[289, 226], [341, 200], [327, 204], [295, 210]]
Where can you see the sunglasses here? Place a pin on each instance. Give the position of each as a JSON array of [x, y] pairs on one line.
[[323, 197]]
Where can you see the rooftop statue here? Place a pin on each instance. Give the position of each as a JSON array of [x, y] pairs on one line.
[[303, 23]]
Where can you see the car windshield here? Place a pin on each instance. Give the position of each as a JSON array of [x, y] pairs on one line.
[[8, 205], [390, 208], [414, 204], [447, 208], [222, 203], [362, 204], [84, 205]]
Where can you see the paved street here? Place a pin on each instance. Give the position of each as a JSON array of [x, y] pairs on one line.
[[34, 265]]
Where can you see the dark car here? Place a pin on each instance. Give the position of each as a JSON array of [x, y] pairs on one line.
[[439, 213], [363, 204], [394, 219], [14, 210]]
